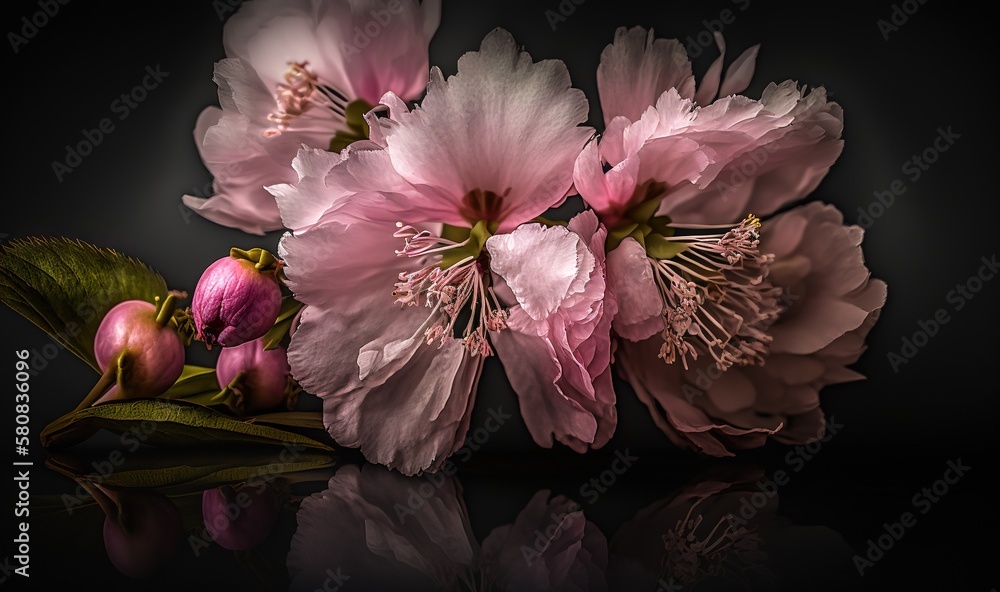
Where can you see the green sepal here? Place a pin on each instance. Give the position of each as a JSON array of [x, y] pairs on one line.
[[550, 223], [283, 324], [357, 127], [643, 211], [263, 261], [659, 247], [617, 235], [476, 240]]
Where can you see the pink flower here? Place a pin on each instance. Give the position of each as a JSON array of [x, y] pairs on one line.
[[301, 72], [707, 162], [829, 303], [663, 176], [388, 248], [557, 353]]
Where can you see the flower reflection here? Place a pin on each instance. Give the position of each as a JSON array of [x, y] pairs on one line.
[[722, 531], [380, 530], [550, 546]]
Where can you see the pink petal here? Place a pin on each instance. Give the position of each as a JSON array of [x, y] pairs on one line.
[[631, 281], [535, 373], [502, 124], [363, 524], [636, 69], [394, 58], [830, 318], [740, 73], [417, 417], [658, 386], [608, 193], [542, 266], [708, 88]]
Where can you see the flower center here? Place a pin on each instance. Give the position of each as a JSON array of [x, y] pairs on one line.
[[482, 205], [302, 91], [454, 282], [716, 298]]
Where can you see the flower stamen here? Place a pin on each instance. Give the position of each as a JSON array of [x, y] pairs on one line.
[[449, 291], [301, 91], [716, 298]]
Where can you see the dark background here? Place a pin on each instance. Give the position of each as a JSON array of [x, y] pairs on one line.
[[900, 428]]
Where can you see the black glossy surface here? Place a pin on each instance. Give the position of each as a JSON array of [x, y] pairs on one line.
[[900, 428]]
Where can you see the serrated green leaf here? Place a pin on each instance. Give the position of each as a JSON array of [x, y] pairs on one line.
[[175, 424], [65, 287]]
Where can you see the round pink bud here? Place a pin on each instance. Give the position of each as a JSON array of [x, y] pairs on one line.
[[239, 521], [264, 381], [234, 302], [150, 356], [146, 536]]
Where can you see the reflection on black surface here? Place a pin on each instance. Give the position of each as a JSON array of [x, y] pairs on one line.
[[374, 529], [721, 532], [142, 529], [380, 530], [163, 509], [240, 517]]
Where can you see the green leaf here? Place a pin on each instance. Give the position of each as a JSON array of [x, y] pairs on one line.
[[198, 385], [307, 420], [283, 324], [194, 380], [65, 287], [190, 471], [174, 424]]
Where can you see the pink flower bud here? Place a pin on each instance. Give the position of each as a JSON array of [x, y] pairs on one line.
[[234, 302], [148, 355], [239, 521], [264, 383]]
